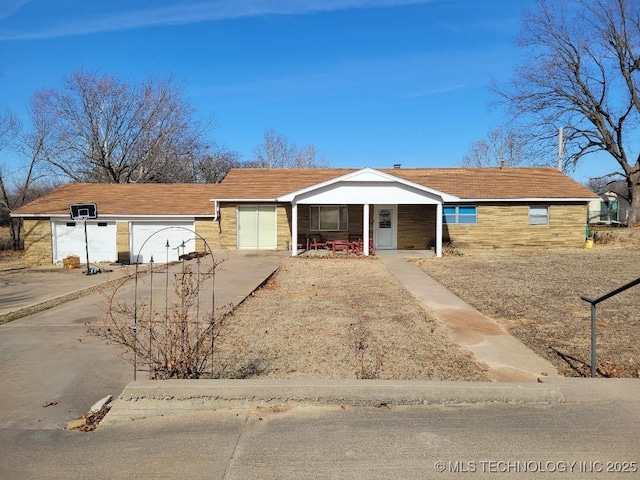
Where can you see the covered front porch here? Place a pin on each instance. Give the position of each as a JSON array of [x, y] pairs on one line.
[[384, 211]]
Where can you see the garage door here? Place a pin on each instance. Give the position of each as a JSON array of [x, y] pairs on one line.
[[150, 239], [257, 227], [68, 239]]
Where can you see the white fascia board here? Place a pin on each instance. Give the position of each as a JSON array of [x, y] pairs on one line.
[[244, 200], [528, 199], [124, 218], [367, 175]]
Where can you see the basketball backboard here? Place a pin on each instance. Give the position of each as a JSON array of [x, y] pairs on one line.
[[88, 211]]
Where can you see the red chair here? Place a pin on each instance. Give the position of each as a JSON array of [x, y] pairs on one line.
[[317, 241], [359, 247]]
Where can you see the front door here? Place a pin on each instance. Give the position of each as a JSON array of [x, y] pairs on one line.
[[385, 227]]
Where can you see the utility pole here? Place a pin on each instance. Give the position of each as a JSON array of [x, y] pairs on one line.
[[560, 148]]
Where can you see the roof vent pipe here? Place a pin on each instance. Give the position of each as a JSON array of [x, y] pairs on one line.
[[397, 165]]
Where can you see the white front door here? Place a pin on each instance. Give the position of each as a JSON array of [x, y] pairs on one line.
[[385, 221]]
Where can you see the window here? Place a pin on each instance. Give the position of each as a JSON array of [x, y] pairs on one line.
[[539, 215], [461, 214], [609, 211], [329, 218]]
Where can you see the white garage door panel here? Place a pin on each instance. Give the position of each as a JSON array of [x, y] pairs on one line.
[[150, 239], [257, 227], [101, 237]]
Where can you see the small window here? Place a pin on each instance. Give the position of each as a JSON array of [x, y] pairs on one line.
[[329, 218], [460, 214], [539, 215]]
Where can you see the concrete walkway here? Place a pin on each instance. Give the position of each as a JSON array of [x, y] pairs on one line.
[[507, 358]]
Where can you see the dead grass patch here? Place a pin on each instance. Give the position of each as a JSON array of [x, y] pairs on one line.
[[338, 318], [536, 295]]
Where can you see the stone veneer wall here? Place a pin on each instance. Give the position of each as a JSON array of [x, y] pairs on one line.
[[507, 225], [123, 243], [38, 242]]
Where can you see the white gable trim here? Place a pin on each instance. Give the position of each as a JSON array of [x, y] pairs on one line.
[[363, 183]]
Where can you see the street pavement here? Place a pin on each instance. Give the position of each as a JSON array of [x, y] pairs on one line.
[[568, 440]]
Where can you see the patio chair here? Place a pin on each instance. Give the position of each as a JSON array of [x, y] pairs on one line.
[[359, 247], [317, 241]]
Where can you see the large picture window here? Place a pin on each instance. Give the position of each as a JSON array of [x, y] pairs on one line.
[[460, 214], [329, 218], [539, 215]]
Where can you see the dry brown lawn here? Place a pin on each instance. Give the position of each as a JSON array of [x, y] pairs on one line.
[[536, 295], [338, 318]]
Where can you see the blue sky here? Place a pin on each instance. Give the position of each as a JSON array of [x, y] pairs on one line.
[[367, 82]]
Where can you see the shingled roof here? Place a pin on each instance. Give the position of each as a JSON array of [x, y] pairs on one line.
[[164, 199], [269, 184], [465, 183]]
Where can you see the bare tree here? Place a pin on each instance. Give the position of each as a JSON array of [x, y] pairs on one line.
[[213, 168], [8, 130], [501, 144], [108, 130], [29, 181], [277, 152], [583, 74]]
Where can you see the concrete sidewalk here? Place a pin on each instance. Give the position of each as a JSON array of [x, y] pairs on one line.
[[507, 358]]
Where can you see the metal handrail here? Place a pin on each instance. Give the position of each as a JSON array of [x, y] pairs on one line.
[[593, 303]]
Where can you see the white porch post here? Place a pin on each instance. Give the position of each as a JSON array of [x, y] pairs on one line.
[[294, 229], [439, 229], [365, 228]]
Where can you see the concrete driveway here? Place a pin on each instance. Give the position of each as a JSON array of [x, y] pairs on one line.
[[47, 357]]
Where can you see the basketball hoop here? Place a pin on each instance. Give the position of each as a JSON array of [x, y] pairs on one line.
[[80, 213]]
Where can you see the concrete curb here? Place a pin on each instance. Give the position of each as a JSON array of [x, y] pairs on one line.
[[47, 304], [148, 398]]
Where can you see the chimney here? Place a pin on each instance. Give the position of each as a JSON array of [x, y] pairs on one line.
[[502, 164], [397, 165]]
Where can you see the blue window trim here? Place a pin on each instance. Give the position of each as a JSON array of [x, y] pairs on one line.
[[460, 214]]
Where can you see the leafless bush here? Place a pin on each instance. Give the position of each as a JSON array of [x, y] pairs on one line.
[[451, 249], [604, 238], [174, 339], [365, 369]]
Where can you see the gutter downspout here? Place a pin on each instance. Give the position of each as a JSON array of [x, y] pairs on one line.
[[215, 210]]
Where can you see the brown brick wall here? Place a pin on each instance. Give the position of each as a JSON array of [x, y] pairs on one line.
[[507, 225], [416, 227], [38, 242]]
